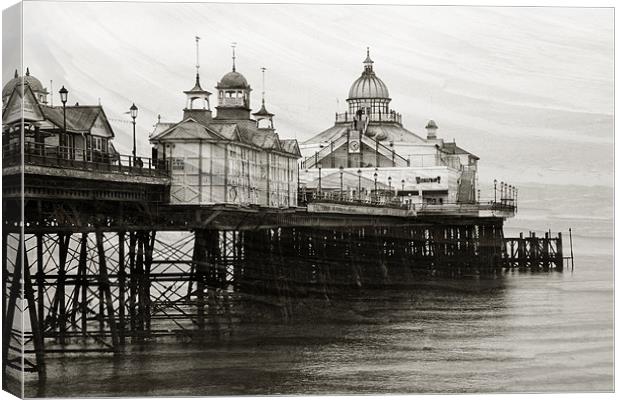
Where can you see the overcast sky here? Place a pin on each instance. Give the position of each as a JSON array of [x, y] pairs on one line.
[[529, 90]]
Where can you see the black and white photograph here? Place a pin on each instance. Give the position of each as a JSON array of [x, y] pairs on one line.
[[282, 199]]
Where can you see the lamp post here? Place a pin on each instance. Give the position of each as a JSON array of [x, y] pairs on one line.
[[133, 111], [494, 190], [359, 184], [63, 98], [403, 186], [375, 175], [501, 192], [341, 186], [319, 166], [390, 185]]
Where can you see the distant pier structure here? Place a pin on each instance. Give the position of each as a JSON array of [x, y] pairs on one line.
[[99, 247]]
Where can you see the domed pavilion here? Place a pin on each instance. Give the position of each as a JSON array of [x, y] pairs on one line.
[[369, 139]]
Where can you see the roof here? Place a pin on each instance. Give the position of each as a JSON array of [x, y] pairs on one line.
[[383, 132], [197, 88], [79, 118], [233, 80], [30, 80], [263, 111], [452, 148], [290, 146], [368, 86], [431, 125], [244, 131]]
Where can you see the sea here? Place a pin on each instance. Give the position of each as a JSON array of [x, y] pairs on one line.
[[519, 332]]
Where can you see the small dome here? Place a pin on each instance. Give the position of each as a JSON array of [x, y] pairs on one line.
[[368, 86], [33, 82], [431, 125], [233, 80]]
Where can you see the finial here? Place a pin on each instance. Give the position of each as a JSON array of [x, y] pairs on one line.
[[158, 118], [16, 74], [263, 69], [233, 45], [99, 101], [197, 59], [368, 61], [27, 71], [197, 53]]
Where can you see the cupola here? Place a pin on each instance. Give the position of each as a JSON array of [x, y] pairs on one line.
[[369, 94], [233, 94], [264, 119], [198, 106], [431, 130]]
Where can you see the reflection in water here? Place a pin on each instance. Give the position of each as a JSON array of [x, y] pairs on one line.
[[523, 332]]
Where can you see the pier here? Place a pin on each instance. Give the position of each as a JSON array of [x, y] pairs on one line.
[[104, 258]]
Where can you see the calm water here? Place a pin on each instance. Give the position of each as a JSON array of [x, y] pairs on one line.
[[524, 332]]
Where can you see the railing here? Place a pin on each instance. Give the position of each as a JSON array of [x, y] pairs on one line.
[[374, 117], [338, 198], [81, 159], [466, 207]]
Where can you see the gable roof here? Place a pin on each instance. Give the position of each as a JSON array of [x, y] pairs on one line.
[[290, 146], [14, 112], [79, 118], [452, 148], [243, 131], [190, 129]]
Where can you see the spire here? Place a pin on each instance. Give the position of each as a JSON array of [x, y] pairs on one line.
[[197, 61], [262, 114], [234, 44], [368, 61], [27, 71], [263, 69]]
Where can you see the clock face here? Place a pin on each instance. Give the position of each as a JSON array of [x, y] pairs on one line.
[[354, 146]]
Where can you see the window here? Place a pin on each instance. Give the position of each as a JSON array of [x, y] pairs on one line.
[[178, 163], [97, 143]]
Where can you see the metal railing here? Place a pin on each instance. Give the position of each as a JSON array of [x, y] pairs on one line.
[[374, 200], [82, 159], [373, 117]]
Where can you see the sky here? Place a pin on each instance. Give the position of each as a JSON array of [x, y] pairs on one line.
[[529, 89]]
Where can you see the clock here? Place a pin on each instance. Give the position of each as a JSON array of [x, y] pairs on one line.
[[354, 146]]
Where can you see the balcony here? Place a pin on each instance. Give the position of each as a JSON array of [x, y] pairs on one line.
[[92, 161]]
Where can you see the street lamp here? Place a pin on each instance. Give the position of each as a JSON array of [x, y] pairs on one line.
[[494, 190], [341, 171], [390, 185], [402, 185], [63, 99], [133, 111], [319, 166], [375, 175], [359, 184]]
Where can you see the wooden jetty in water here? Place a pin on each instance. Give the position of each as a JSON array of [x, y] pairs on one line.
[[103, 257]]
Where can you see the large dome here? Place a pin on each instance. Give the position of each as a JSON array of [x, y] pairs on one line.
[[233, 80], [368, 86], [33, 82]]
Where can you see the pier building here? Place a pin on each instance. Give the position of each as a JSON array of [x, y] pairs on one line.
[[69, 132], [370, 140], [228, 158]]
